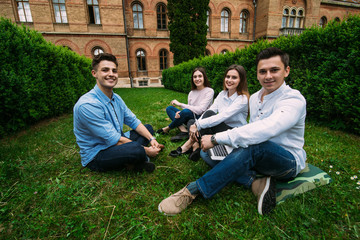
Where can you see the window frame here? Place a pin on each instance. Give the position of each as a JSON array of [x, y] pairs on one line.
[[299, 21], [224, 51], [97, 48], [285, 18], [59, 4], [293, 17], [141, 60], [94, 12], [143, 83], [208, 19], [26, 15], [323, 21], [138, 15], [161, 19], [163, 59], [224, 20], [243, 26]]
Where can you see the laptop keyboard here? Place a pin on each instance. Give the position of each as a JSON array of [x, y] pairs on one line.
[[220, 150]]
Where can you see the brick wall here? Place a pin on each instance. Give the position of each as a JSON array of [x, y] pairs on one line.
[[110, 35]]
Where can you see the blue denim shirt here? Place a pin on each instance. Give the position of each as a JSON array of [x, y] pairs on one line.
[[98, 122]]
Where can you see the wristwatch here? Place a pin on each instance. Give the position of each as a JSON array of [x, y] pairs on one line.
[[213, 140], [152, 138]]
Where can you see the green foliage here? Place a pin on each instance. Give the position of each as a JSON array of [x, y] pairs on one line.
[[45, 193], [188, 29], [327, 72], [38, 79], [325, 68]]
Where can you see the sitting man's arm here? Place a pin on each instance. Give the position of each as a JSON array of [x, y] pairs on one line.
[[142, 130], [286, 115], [154, 149]]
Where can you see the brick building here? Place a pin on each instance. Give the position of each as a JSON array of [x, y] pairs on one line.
[[136, 31]]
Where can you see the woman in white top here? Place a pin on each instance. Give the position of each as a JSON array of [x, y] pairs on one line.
[[230, 109], [199, 100]]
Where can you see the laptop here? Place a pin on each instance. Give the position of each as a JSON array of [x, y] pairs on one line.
[[218, 152]]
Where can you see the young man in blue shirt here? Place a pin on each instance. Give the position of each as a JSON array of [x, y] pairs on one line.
[[99, 116], [271, 144]]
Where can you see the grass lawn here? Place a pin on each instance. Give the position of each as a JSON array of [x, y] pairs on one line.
[[46, 194]]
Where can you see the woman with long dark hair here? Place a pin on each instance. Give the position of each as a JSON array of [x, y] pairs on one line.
[[199, 100]]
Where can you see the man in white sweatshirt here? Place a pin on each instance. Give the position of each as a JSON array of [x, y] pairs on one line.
[[270, 145]]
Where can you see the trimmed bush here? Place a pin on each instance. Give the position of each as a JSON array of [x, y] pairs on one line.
[[325, 67], [38, 79]]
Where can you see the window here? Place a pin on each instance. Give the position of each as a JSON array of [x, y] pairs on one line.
[[323, 22], [244, 16], [292, 18], [67, 47], [299, 19], [60, 11], [24, 12], [224, 51], [337, 19], [143, 83], [208, 19], [138, 16], [163, 59], [97, 50], [161, 16], [207, 52], [141, 60], [285, 18], [94, 13], [224, 20]]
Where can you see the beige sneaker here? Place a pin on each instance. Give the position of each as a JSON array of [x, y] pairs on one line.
[[176, 203], [265, 190]]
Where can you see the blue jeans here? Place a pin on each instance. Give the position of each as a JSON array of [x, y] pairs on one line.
[[242, 165], [185, 116], [119, 156]]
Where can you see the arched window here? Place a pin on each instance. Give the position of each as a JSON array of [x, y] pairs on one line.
[[292, 18], [244, 16], [97, 50], [94, 13], [208, 19], [163, 54], [323, 22], [337, 19], [285, 18], [299, 19], [224, 51], [138, 16], [225, 20], [207, 52], [141, 60], [24, 12], [161, 16], [67, 47]]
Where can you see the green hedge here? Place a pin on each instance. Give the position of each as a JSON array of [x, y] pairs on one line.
[[325, 67], [38, 79]]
